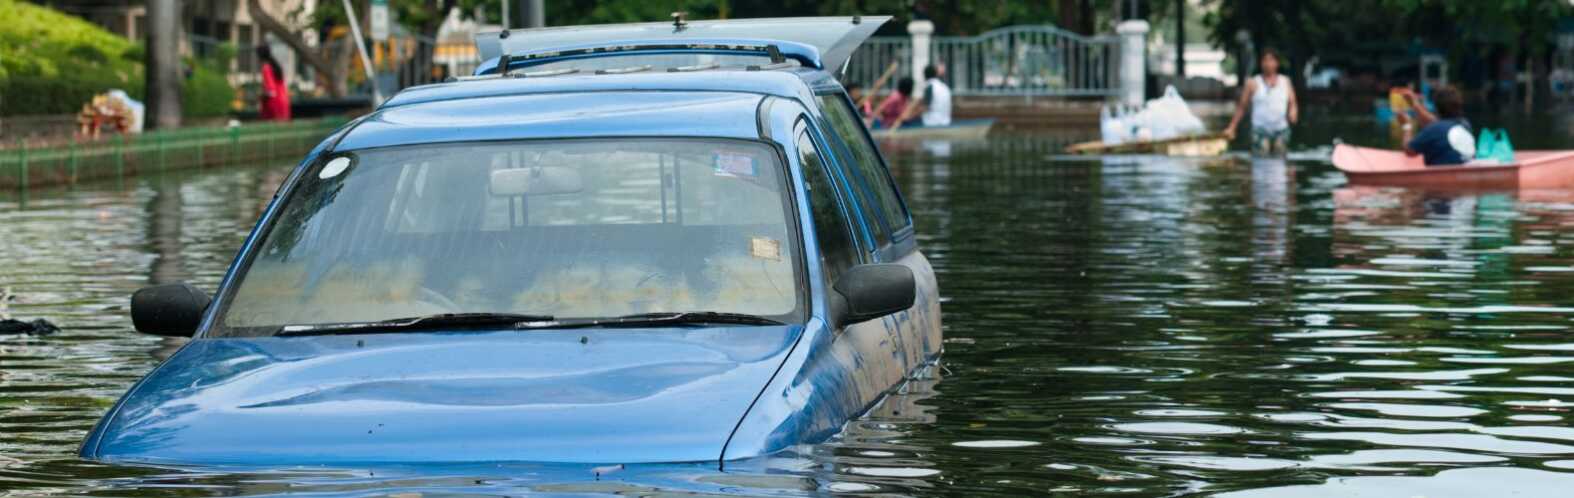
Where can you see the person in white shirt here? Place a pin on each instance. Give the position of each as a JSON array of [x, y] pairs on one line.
[[934, 108], [1274, 108]]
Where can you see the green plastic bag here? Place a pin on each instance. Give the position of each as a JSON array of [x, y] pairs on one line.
[[1503, 152], [1486, 142], [1494, 145]]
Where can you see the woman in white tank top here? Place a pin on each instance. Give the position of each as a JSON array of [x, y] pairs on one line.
[[1274, 109]]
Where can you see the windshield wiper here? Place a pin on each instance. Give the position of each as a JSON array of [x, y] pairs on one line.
[[425, 323], [668, 318]]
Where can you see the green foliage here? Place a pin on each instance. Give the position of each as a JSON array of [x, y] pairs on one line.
[[52, 63], [1365, 30], [1514, 23], [207, 92]]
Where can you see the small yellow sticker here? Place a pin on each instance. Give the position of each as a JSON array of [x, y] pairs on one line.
[[765, 248]]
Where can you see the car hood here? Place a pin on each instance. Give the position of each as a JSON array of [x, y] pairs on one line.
[[593, 396]]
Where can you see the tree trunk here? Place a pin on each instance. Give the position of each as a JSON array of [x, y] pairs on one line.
[[162, 70], [334, 76], [1180, 39], [532, 13], [1074, 16]]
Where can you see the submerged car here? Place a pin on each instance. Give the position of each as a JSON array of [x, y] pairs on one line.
[[669, 242]]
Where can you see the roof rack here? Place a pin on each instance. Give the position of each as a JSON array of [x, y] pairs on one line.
[[696, 67], [769, 50], [455, 79], [624, 70], [520, 73], [771, 67], [819, 42]]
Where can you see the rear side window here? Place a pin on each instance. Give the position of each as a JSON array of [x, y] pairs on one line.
[[838, 252], [876, 186]]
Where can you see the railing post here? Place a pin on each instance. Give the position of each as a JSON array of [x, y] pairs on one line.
[[234, 144], [202, 139], [22, 178], [120, 157], [921, 30], [71, 161], [1133, 61], [159, 145]]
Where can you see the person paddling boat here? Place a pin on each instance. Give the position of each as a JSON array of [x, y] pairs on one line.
[[1445, 139]]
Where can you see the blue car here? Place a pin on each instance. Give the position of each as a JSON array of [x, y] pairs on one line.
[[664, 242]]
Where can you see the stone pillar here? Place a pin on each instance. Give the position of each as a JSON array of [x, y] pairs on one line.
[[921, 30], [1133, 61]]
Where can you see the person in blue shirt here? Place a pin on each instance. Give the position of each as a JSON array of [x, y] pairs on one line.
[[1445, 139]]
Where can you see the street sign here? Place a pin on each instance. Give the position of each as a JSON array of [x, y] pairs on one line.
[[379, 24]]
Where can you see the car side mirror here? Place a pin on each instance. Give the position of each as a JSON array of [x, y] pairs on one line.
[[172, 310], [872, 291]]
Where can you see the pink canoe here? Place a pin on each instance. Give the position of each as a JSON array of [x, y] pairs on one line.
[[1535, 169]]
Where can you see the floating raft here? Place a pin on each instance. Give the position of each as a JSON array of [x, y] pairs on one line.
[[959, 129], [1536, 169], [1207, 145]]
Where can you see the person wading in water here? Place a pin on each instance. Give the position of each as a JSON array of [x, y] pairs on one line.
[[1274, 108]]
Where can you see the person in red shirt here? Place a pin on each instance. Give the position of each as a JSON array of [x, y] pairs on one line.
[[275, 104], [894, 104]]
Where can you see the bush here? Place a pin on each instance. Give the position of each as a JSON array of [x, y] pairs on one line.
[[52, 63], [207, 93]]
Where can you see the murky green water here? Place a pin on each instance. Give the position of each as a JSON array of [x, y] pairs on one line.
[[1132, 327]]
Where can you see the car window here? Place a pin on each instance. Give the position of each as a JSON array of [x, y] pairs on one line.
[[569, 228], [838, 252], [876, 180]]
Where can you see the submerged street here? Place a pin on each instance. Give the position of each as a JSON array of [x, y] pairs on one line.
[[1131, 326]]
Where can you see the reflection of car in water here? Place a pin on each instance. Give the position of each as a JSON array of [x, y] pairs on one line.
[[692, 252]]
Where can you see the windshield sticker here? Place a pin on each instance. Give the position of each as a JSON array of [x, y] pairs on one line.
[[765, 248], [334, 167], [728, 164]]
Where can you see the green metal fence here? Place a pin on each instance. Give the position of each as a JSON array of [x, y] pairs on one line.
[[118, 156]]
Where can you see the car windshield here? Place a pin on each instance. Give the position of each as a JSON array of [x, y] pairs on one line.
[[566, 228]]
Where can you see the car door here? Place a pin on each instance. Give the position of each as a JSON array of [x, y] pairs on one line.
[[836, 373], [913, 336]]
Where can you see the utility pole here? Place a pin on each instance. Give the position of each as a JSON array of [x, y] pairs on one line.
[[162, 67]]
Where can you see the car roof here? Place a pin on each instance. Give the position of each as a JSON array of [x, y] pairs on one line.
[[701, 104]]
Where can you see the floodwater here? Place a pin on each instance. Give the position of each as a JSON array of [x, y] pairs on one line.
[[1114, 326]]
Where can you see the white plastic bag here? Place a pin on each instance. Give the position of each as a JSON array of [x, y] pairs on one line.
[[1112, 128], [1120, 125], [1169, 117], [135, 106], [1162, 118]]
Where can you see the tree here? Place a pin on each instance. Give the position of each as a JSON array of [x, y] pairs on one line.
[[163, 64], [1331, 29]]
